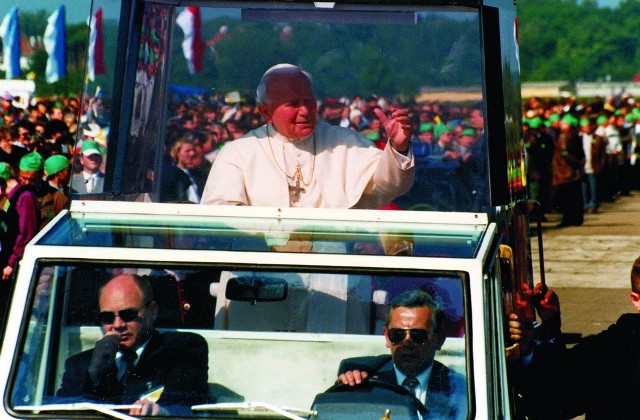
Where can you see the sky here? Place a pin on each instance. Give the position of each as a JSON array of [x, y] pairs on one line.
[[76, 11]]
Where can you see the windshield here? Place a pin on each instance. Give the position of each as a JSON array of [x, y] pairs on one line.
[[185, 108], [221, 334]]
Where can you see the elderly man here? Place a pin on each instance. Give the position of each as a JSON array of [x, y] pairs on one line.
[[294, 160], [133, 361], [414, 331]]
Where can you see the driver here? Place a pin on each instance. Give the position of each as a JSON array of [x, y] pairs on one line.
[[159, 373], [414, 331]]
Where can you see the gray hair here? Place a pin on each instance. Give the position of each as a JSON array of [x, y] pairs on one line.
[[418, 299], [261, 91]]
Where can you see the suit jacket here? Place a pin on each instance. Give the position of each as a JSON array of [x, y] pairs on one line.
[[602, 374], [446, 391], [599, 377], [176, 360], [78, 186]]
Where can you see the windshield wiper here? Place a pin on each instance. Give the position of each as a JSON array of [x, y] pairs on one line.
[[255, 406], [108, 409]]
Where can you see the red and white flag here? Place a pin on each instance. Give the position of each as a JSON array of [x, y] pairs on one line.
[[95, 63], [193, 45]]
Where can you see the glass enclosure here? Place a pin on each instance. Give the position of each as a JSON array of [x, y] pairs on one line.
[[251, 232], [264, 328], [360, 57]]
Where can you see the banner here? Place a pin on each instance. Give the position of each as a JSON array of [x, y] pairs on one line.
[[193, 45], [10, 34], [95, 64], [55, 45]]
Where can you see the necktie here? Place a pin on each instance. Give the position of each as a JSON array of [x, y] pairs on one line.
[[127, 360], [410, 383], [90, 184]]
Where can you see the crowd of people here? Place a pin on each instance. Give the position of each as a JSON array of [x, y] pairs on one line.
[[581, 153], [200, 127]]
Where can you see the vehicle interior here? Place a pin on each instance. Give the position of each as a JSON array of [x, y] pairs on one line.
[[264, 328]]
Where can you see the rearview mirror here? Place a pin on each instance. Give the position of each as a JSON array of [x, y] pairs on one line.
[[256, 289]]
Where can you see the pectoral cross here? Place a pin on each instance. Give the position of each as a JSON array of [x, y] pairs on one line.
[[297, 177]]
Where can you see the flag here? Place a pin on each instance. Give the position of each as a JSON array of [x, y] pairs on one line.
[[95, 64], [193, 45], [55, 45], [10, 34]]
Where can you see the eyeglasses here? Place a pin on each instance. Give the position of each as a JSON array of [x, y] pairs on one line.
[[126, 315], [418, 335]]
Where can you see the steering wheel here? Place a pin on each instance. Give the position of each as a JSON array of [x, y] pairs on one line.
[[368, 384], [366, 400]]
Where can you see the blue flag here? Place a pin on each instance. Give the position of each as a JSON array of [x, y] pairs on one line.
[[10, 34], [55, 45]]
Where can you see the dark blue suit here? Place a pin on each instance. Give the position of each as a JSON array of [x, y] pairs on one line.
[[176, 360], [599, 377], [446, 391]]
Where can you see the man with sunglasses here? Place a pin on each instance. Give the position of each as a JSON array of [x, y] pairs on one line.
[[414, 331], [158, 373]]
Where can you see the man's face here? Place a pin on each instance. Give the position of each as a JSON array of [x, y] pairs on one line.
[[24, 136], [56, 114], [64, 175], [91, 163], [28, 178], [292, 106], [466, 141], [186, 156], [411, 357], [123, 293]]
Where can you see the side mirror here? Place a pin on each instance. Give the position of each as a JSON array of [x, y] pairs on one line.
[[256, 289]]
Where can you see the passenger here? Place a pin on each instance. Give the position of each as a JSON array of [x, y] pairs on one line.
[[294, 160], [599, 377], [171, 364], [414, 331]]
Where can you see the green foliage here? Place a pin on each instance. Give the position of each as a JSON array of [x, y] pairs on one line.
[[577, 41], [335, 56]]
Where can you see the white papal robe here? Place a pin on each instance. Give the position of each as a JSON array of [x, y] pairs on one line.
[[348, 171]]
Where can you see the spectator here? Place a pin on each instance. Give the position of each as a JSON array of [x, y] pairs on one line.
[[595, 160], [566, 172], [90, 180], [183, 154], [9, 152], [53, 198], [23, 215]]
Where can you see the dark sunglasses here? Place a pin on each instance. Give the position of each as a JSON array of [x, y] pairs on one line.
[[418, 335], [126, 315]]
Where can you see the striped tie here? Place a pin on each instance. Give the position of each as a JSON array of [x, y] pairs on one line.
[[410, 383]]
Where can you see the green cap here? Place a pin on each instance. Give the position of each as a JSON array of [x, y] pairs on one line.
[[31, 162], [469, 132], [90, 147], [570, 119], [535, 122], [439, 129], [554, 117], [584, 121], [55, 164], [372, 135], [601, 119], [5, 170], [425, 127]]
